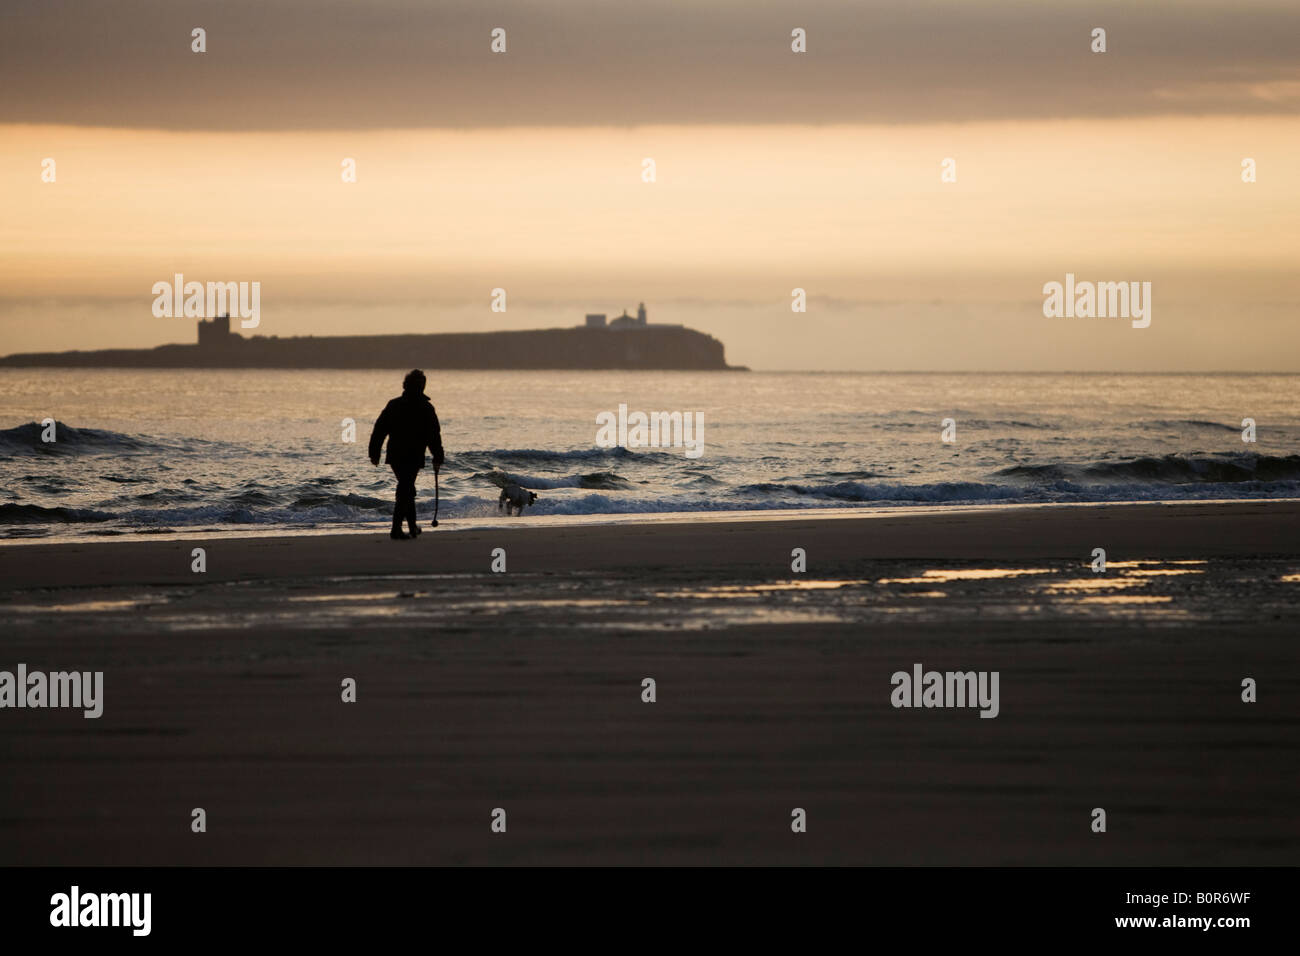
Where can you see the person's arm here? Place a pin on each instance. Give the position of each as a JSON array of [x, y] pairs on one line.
[[378, 435], [435, 438]]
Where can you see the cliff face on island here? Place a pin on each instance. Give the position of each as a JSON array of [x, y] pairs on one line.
[[652, 347]]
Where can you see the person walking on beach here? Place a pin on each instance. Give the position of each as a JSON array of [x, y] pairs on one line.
[[410, 424]]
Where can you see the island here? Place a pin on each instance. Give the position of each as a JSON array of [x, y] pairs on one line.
[[626, 342]]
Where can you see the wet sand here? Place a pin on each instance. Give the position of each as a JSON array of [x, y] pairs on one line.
[[523, 691]]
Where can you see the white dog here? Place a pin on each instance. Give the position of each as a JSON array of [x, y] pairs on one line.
[[512, 496]]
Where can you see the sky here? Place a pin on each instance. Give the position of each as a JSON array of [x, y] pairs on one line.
[[774, 171]]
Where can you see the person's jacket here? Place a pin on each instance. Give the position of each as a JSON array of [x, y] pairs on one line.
[[410, 424]]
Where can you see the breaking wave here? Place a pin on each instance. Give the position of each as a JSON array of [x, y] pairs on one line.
[[27, 438], [37, 514], [1175, 469], [605, 480]]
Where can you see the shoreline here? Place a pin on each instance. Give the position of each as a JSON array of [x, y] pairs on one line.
[[757, 541], [599, 519]]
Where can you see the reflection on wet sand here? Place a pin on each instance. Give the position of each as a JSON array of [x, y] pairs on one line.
[[937, 576], [866, 593]]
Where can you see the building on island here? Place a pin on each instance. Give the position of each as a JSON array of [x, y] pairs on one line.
[[625, 321], [215, 331]]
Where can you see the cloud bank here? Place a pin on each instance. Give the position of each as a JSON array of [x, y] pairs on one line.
[[339, 64]]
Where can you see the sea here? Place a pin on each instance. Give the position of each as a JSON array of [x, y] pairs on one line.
[[270, 451]]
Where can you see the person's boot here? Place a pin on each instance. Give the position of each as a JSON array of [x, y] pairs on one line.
[[397, 534], [414, 529]]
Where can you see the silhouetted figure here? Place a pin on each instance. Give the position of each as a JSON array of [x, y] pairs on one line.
[[410, 424]]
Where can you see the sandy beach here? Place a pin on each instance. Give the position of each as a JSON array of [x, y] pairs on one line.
[[523, 691]]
